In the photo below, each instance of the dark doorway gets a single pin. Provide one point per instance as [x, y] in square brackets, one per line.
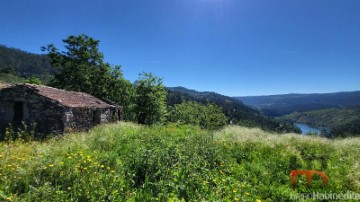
[18, 112]
[97, 117]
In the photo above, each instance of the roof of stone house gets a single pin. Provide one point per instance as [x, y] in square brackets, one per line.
[69, 98]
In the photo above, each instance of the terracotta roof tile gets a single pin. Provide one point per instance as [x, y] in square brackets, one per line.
[69, 98]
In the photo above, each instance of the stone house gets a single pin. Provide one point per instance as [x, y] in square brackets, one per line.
[54, 110]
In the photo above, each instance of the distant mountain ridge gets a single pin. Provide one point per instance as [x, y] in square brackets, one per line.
[278, 105]
[233, 108]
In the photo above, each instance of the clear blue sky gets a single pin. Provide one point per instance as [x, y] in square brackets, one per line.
[233, 47]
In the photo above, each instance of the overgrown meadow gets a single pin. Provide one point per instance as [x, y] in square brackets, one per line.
[128, 162]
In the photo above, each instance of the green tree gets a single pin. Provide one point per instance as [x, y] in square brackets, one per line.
[150, 99]
[207, 116]
[8, 70]
[33, 80]
[82, 68]
[122, 92]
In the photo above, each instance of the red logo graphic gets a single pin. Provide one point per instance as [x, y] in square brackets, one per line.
[309, 174]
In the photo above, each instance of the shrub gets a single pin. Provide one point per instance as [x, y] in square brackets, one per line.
[33, 80]
[207, 116]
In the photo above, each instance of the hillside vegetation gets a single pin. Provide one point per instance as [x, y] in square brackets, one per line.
[325, 117]
[25, 64]
[10, 78]
[341, 121]
[278, 105]
[233, 108]
[128, 162]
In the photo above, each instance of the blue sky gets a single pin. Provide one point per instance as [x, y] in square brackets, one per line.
[233, 47]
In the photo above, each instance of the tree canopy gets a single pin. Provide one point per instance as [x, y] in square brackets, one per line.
[207, 116]
[82, 68]
[150, 99]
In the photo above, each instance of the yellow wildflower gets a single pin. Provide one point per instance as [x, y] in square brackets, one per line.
[258, 200]
[51, 165]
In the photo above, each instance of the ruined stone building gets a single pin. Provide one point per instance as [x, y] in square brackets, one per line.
[54, 110]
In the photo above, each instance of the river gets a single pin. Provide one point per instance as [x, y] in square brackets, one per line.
[306, 128]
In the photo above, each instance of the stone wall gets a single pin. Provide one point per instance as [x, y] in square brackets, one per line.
[82, 119]
[85, 118]
[19, 103]
[45, 113]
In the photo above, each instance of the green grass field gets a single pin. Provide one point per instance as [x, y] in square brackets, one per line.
[128, 162]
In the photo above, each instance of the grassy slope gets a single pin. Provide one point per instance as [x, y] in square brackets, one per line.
[125, 161]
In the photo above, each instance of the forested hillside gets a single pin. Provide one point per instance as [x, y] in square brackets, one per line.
[278, 105]
[234, 109]
[343, 122]
[24, 64]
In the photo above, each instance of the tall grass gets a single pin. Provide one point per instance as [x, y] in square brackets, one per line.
[128, 162]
